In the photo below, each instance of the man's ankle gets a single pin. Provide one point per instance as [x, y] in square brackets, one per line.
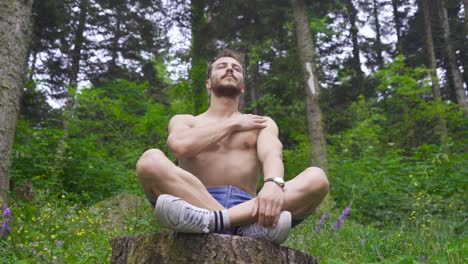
[220, 221]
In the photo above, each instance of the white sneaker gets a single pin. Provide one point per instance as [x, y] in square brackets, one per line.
[276, 235]
[176, 214]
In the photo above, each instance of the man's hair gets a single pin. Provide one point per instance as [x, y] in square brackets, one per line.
[225, 53]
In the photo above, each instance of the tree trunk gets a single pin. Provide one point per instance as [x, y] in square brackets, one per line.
[73, 74]
[378, 42]
[198, 56]
[397, 19]
[15, 41]
[115, 41]
[312, 89]
[172, 247]
[432, 64]
[465, 50]
[33, 64]
[465, 6]
[454, 73]
[358, 75]
[76, 53]
[253, 84]
[429, 46]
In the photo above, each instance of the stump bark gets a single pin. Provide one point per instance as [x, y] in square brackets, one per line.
[172, 247]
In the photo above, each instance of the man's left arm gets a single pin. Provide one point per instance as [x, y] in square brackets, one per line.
[270, 199]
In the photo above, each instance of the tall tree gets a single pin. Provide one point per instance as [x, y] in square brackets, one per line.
[378, 38]
[465, 43]
[397, 18]
[356, 61]
[74, 70]
[465, 7]
[95, 40]
[432, 64]
[253, 81]
[454, 70]
[429, 47]
[311, 85]
[15, 38]
[198, 54]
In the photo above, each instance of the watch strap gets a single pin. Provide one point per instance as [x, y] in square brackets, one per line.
[274, 179]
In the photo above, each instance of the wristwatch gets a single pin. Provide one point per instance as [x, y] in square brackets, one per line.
[276, 180]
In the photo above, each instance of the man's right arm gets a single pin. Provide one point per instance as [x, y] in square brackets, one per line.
[186, 140]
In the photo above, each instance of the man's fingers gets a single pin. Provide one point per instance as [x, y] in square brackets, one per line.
[278, 212]
[255, 208]
[269, 218]
[261, 214]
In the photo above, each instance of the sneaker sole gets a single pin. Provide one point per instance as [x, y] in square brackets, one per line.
[161, 203]
[281, 235]
[164, 202]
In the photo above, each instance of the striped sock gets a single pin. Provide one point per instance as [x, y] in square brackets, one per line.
[220, 221]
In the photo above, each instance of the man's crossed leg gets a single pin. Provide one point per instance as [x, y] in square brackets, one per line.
[184, 203]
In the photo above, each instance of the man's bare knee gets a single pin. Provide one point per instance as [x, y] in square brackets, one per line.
[148, 164]
[317, 181]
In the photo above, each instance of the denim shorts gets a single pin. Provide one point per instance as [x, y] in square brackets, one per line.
[227, 196]
[230, 196]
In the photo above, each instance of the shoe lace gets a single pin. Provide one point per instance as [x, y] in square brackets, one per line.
[199, 219]
[253, 230]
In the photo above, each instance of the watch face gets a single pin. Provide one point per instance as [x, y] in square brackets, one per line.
[279, 180]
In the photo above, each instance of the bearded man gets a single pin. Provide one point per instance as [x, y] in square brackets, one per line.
[222, 154]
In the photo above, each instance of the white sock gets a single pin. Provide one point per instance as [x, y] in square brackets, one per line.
[220, 221]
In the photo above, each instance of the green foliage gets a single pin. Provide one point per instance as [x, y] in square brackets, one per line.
[113, 126]
[390, 163]
[108, 131]
[388, 154]
[34, 156]
[404, 93]
[402, 242]
[55, 230]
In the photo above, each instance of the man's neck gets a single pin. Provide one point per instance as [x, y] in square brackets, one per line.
[223, 106]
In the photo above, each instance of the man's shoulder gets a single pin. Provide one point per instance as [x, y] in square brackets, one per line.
[183, 116]
[270, 125]
[181, 119]
[270, 121]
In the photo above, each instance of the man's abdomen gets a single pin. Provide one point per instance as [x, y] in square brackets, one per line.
[239, 168]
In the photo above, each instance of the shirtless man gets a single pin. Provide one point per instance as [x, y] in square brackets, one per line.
[221, 153]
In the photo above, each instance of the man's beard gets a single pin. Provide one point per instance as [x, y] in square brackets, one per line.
[226, 89]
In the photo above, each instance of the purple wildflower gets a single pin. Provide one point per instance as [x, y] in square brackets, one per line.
[340, 220]
[58, 243]
[324, 217]
[5, 229]
[6, 212]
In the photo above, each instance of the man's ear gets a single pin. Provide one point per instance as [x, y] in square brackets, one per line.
[208, 86]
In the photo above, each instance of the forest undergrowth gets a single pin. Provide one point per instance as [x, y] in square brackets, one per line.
[57, 228]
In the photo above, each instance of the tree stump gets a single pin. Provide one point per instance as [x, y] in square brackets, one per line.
[173, 247]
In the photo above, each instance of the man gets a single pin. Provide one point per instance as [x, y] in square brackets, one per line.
[220, 154]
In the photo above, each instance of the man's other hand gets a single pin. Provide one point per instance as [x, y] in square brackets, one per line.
[269, 204]
[243, 122]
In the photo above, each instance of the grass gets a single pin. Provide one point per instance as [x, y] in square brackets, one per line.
[405, 242]
[54, 230]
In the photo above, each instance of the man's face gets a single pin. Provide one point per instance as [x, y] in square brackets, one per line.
[226, 78]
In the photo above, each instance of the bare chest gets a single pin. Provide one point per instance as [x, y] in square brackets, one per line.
[246, 140]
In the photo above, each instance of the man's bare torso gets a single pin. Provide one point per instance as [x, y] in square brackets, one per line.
[231, 161]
